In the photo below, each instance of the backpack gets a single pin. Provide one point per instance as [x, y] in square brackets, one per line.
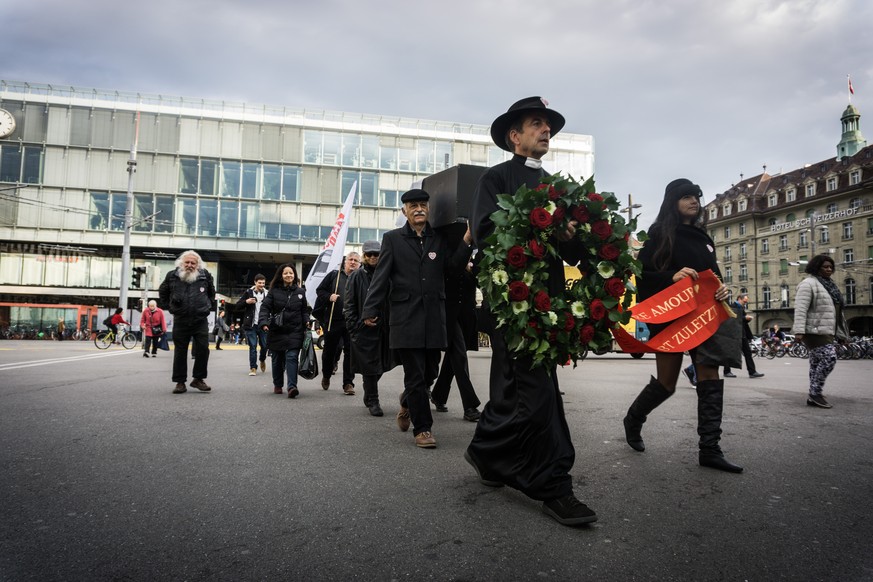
[108, 321]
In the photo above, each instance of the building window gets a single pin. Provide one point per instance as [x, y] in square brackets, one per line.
[810, 190]
[771, 222]
[728, 274]
[765, 268]
[713, 213]
[391, 198]
[765, 296]
[744, 273]
[742, 228]
[367, 194]
[803, 239]
[743, 250]
[21, 164]
[825, 236]
[726, 210]
[854, 177]
[831, 208]
[831, 184]
[850, 291]
[783, 294]
[791, 195]
[848, 256]
[790, 217]
[783, 266]
[802, 260]
[772, 200]
[847, 231]
[727, 232]
[727, 253]
[765, 246]
[783, 242]
[742, 205]
[810, 213]
[855, 203]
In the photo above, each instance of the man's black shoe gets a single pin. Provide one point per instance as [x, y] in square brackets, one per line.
[569, 511]
[471, 414]
[439, 407]
[730, 375]
[756, 375]
[486, 482]
[375, 409]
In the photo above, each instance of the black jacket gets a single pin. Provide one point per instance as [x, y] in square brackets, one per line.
[692, 247]
[411, 274]
[371, 355]
[188, 301]
[291, 301]
[323, 292]
[249, 308]
[741, 316]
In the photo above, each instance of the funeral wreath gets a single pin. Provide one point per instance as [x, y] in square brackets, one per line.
[513, 271]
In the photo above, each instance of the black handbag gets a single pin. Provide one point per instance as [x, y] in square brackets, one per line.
[278, 320]
[157, 330]
[307, 367]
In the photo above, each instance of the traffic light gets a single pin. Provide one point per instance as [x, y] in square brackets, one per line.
[138, 272]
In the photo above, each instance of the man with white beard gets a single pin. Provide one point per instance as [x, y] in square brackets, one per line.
[188, 293]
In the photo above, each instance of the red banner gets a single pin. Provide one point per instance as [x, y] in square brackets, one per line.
[690, 306]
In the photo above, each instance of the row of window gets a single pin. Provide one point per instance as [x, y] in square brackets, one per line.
[21, 164]
[211, 217]
[328, 148]
[803, 240]
[790, 195]
[847, 226]
[768, 301]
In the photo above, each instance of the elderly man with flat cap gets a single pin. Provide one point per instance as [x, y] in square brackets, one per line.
[522, 439]
[411, 276]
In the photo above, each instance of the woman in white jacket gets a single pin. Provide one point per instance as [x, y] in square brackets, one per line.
[818, 319]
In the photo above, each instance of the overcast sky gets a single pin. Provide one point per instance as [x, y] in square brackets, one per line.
[668, 88]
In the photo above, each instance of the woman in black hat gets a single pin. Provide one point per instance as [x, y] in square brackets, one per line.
[678, 247]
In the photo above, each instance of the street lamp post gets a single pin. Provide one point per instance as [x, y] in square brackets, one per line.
[630, 208]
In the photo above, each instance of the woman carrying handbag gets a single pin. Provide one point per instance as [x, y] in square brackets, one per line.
[284, 316]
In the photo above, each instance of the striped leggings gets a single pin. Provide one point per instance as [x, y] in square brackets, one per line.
[821, 363]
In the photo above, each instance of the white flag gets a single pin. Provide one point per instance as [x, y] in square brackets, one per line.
[331, 254]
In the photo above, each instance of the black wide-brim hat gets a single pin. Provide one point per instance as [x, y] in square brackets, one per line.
[527, 105]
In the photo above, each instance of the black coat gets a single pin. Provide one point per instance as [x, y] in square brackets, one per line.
[323, 292]
[692, 247]
[188, 301]
[411, 275]
[741, 315]
[248, 308]
[461, 306]
[292, 301]
[371, 355]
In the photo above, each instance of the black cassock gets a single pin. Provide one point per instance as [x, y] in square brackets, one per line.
[522, 438]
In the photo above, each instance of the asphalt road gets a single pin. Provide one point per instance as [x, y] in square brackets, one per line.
[106, 475]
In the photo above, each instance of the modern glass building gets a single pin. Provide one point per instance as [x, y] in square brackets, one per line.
[247, 186]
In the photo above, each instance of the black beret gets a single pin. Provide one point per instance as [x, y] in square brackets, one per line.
[414, 196]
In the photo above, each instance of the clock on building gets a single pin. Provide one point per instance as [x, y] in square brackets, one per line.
[7, 123]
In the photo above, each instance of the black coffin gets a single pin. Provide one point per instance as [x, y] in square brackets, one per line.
[451, 193]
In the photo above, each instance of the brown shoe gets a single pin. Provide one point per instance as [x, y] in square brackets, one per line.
[325, 383]
[263, 365]
[348, 390]
[180, 387]
[403, 419]
[200, 385]
[425, 440]
[277, 389]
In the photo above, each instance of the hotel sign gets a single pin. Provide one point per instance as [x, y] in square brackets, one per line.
[805, 222]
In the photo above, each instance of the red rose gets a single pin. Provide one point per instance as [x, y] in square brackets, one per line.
[553, 194]
[580, 214]
[518, 291]
[597, 310]
[595, 197]
[586, 333]
[558, 215]
[540, 218]
[515, 257]
[541, 301]
[537, 249]
[569, 322]
[602, 229]
[609, 252]
[615, 287]
[533, 325]
[553, 336]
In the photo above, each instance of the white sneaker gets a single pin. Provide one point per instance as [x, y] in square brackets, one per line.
[253, 372]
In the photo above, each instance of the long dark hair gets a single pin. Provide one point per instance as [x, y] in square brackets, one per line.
[663, 230]
[277, 278]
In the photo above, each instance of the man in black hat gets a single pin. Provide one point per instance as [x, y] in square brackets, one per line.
[522, 439]
[411, 275]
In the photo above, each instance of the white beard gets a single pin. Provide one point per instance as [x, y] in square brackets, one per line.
[187, 277]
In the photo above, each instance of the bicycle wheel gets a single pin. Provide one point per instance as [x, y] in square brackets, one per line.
[128, 340]
[103, 340]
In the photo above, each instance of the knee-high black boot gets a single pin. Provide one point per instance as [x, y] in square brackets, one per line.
[652, 396]
[710, 398]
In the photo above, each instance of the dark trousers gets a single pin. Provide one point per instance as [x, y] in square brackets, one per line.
[255, 338]
[522, 438]
[150, 341]
[420, 366]
[335, 342]
[455, 365]
[197, 333]
[285, 362]
[747, 355]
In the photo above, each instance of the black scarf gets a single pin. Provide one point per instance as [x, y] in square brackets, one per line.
[832, 290]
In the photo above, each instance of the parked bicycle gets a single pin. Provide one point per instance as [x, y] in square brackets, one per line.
[106, 338]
